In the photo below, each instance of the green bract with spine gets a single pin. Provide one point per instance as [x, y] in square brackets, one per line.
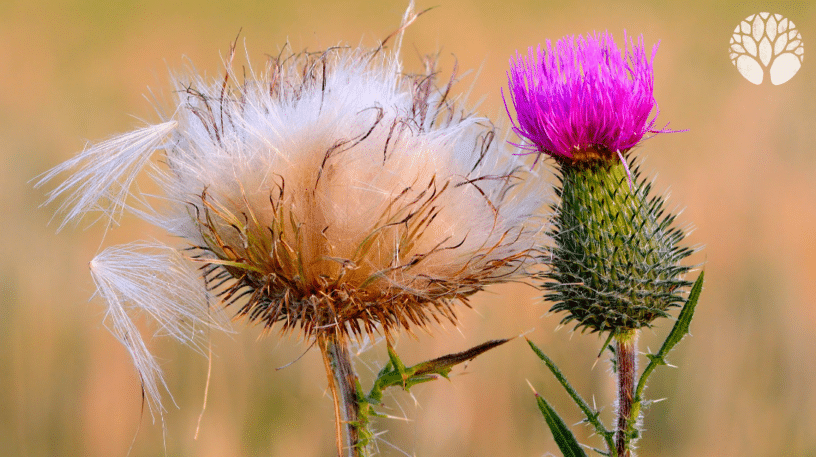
[616, 257]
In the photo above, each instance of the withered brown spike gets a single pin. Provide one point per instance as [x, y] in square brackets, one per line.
[276, 316]
[243, 294]
[226, 78]
[451, 81]
[410, 20]
[345, 309]
[388, 138]
[380, 116]
[227, 293]
[205, 122]
[486, 139]
[212, 272]
[211, 119]
[459, 357]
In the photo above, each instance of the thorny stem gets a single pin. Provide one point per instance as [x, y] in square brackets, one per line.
[626, 365]
[343, 386]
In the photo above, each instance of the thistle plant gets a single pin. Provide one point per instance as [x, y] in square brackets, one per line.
[328, 194]
[616, 262]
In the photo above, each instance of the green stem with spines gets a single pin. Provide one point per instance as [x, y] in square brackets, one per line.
[354, 408]
[352, 432]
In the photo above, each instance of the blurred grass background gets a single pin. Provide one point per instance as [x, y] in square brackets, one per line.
[745, 172]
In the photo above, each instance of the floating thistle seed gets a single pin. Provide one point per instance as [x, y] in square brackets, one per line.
[616, 257]
[328, 194]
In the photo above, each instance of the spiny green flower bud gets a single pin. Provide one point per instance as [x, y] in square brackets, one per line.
[615, 263]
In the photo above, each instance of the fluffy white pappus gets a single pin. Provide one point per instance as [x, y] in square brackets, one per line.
[329, 192]
[332, 171]
[155, 280]
[103, 173]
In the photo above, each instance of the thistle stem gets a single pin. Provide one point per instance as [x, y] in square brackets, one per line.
[626, 364]
[343, 386]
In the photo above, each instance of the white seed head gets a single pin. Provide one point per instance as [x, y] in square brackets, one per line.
[328, 192]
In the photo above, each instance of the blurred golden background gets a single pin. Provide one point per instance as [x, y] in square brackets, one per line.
[74, 71]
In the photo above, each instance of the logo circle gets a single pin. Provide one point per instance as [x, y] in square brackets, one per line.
[766, 43]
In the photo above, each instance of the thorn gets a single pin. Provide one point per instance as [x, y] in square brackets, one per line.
[595, 362]
[524, 334]
[628, 173]
[648, 403]
[605, 345]
[395, 417]
[416, 402]
[531, 387]
[460, 332]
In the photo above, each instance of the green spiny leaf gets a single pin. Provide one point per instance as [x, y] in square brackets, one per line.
[397, 363]
[443, 365]
[395, 373]
[680, 329]
[591, 415]
[563, 436]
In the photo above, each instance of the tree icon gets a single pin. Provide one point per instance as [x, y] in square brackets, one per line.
[769, 42]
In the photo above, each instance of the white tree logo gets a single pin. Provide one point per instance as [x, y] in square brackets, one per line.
[767, 41]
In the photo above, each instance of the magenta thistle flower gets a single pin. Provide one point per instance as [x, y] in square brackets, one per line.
[583, 99]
